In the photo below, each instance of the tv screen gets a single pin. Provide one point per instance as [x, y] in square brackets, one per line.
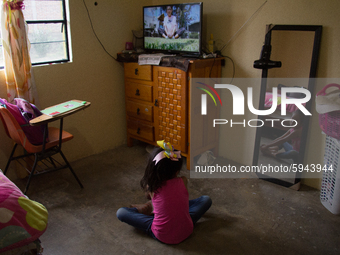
[173, 28]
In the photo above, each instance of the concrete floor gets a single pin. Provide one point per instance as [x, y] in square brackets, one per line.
[248, 216]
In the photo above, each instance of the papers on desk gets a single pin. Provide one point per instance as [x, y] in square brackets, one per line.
[151, 59]
[63, 107]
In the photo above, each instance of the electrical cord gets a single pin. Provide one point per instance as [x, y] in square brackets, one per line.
[94, 32]
[232, 61]
[218, 53]
[243, 25]
[212, 67]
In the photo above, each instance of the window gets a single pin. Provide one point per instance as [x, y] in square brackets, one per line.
[47, 31]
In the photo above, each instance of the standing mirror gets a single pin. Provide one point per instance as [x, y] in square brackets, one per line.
[288, 59]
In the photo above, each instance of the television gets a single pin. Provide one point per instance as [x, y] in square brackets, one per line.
[173, 28]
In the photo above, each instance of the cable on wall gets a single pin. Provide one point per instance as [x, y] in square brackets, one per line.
[243, 25]
[219, 52]
[232, 61]
[94, 32]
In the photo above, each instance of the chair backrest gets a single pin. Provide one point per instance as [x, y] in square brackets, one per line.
[12, 127]
[4, 124]
[23, 112]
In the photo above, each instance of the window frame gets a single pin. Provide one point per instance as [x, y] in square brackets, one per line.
[64, 25]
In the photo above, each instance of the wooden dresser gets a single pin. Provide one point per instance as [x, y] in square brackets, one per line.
[158, 101]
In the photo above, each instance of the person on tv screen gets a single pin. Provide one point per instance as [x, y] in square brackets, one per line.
[170, 26]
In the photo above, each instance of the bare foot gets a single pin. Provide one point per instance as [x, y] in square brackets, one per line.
[146, 208]
[269, 151]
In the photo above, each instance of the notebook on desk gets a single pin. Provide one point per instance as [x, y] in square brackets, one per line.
[63, 107]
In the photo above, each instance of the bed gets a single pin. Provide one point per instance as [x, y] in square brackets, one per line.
[22, 220]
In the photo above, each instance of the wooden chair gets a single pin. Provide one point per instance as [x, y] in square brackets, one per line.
[43, 153]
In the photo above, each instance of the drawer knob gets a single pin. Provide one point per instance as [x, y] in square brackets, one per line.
[136, 71]
[138, 130]
[156, 102]
[137, 92]
[138, 111]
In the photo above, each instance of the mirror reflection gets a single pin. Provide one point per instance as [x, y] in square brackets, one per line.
[276, 144]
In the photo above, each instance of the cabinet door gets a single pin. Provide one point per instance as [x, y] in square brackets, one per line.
[170, 94]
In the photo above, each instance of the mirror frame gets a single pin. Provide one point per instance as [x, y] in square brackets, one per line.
[317, 29]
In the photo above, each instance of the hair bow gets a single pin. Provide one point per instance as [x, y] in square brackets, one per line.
[167, 153]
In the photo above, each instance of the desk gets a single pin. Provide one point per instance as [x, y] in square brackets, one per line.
[53, 147]
[44, 119]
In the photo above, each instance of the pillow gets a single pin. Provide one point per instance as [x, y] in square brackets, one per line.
[22, 220]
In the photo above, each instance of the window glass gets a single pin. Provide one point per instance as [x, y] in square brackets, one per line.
[47, 31]
[43, 10]
[47, 42]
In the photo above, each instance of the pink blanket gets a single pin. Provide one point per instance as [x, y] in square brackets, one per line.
[21, 220]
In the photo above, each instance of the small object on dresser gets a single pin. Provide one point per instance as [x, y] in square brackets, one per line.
[128, 46]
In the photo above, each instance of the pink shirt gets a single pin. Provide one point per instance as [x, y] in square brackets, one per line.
[172, 223]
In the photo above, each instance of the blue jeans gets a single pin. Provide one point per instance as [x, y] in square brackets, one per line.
[289, 153]
[131, 216]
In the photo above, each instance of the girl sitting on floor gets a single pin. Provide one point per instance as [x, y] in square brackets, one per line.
[169, 217]
[290, 141]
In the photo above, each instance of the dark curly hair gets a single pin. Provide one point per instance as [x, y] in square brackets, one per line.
[155, 175]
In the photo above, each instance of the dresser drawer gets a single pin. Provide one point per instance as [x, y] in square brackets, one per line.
[138, 91]
[139, 129]
[135, 71]
[139, 110]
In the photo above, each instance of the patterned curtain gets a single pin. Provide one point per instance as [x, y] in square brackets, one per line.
[15, 43]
